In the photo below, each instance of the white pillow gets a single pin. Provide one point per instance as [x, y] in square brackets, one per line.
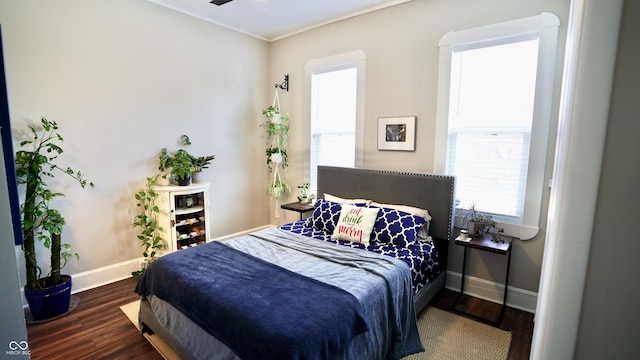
[340, 200]
[423, 213]
[355, 224]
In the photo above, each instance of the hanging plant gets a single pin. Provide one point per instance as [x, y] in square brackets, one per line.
[276, 155]
[278, 187]
[277, 134]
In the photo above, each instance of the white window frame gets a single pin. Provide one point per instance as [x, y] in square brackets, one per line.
[346, 60]
[545, 27]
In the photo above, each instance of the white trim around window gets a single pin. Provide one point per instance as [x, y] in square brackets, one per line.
[357, 59]
[545, 27]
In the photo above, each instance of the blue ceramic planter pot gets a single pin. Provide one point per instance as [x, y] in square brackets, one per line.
[49, 302]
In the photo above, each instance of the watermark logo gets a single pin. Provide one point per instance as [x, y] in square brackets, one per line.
[18, 348]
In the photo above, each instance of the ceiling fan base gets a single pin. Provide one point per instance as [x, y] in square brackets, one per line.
[219, 2]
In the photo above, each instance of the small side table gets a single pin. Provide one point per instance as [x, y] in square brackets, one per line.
[485, 243]
[299, 207]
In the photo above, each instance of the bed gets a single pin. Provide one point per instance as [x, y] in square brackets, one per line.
[290, 280]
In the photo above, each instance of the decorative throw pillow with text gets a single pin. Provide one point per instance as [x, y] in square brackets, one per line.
[355, 224]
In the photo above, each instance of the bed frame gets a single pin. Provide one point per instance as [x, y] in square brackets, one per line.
[427, 191]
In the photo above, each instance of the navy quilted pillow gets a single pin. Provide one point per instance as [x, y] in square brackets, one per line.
[396, 227]
[325, 215]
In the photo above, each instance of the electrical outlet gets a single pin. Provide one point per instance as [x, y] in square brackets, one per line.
[142, 265]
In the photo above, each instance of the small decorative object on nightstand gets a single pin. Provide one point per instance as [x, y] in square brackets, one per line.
[305, 196]
[484, 242]
[299, 207]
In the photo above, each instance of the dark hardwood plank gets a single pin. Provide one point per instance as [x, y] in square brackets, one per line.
[97, 329]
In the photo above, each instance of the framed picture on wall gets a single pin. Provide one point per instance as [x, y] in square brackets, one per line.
[397, 133]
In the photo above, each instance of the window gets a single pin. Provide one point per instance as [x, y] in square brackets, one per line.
[494, 104]
[335, 112]
[333, 118]
[490, 115]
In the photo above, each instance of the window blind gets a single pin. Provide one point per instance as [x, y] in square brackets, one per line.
[490, 118]
[333, 120]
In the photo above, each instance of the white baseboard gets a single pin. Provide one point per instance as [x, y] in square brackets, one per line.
[517, 298]
[105, 275]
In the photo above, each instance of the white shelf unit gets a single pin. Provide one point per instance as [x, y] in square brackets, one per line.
[184, 215]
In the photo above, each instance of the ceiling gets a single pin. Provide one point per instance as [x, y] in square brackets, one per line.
[275, 19]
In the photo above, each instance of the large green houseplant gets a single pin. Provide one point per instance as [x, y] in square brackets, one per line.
[36, 163]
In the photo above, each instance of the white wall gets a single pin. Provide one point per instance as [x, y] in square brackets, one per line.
[401, 45]
[125, 79]
[609, 316]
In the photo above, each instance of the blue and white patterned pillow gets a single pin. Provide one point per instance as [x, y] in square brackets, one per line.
[397, 227]
[325, 216]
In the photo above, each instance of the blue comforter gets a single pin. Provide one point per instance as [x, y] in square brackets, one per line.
[381, 284]
[259, 310]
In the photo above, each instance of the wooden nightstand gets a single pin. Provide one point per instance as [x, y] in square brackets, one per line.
[298, 207]
[485, 243]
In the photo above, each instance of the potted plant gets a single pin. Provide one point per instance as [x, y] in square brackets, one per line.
[49, 295]
[273, 114]
[147, 220]
[182, 167]
[482, 223]
[277, 132]
[304, 193]
[180, 164]
[200, 163]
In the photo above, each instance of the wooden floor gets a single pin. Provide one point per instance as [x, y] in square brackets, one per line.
[97, 329]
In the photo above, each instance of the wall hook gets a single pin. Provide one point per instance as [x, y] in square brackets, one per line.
[285, 84]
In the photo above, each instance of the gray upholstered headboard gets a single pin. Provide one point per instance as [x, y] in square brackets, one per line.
[427, 191]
